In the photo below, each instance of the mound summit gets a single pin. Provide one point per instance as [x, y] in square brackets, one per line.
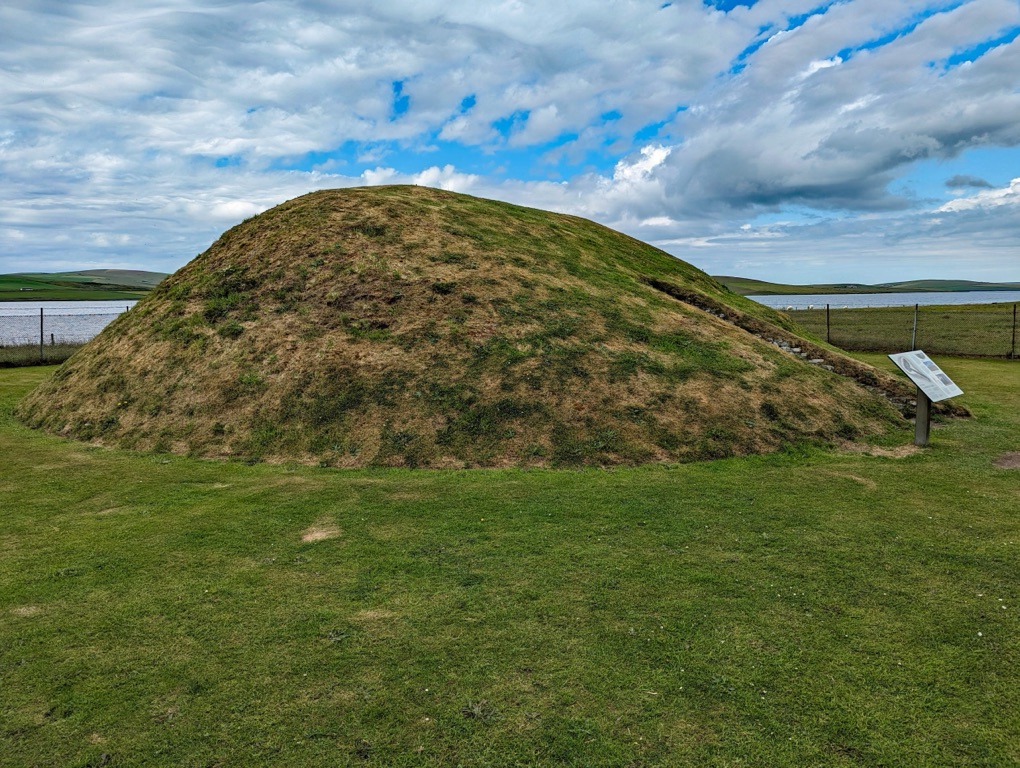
[411, 326]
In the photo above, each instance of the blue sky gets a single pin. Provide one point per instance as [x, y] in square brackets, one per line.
[796, 141]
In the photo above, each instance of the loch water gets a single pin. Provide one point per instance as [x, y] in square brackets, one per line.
[816, 300]
[62, 321]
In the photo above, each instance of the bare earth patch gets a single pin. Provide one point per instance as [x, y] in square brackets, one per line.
[866, 482]
[320, 531]
[26, 610]
[1009, 460]
[898, 452]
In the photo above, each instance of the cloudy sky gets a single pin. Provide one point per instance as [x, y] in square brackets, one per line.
[789, 140]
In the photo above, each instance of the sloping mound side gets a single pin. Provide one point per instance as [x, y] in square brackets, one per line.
[410, 326]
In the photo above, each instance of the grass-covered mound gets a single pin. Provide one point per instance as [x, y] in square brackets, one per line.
[405, 325]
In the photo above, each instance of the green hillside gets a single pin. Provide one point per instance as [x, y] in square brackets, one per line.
[746, 286]
[89, 284]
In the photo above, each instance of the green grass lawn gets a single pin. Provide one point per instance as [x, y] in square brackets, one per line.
[69, 294]
[960, 329]
[29, 354]
[807, 608]
[29, 288]
[90, 285]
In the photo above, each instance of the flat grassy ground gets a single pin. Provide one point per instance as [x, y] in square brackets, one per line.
[961, 329]
[88, 285]
[808, 608]
[28, 354]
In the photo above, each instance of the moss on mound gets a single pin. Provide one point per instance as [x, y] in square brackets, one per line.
[411, 326]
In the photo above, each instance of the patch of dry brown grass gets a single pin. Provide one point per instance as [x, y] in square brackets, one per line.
[1009, 460]
[895, 452]
[320, 531]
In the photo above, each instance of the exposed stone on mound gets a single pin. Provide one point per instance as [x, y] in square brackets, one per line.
[410, 326]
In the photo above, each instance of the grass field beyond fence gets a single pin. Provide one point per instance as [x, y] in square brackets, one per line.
[974, 330]
[32, 354]
[807, 608]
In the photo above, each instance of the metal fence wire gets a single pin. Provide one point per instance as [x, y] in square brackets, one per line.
[43, 328]
[973, 330]
[976, 330]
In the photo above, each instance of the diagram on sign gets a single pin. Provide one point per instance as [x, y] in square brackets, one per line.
[923, 371]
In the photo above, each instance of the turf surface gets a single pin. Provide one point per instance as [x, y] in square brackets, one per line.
[807, 608]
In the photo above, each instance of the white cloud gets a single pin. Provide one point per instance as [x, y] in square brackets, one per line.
[115, 114]
[446, 178]
[991, 198]
[234, 210]
[657, 221]
[641, 168]
[817, 66]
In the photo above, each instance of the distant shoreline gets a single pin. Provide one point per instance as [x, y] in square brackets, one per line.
[83, 285]
[749, 287]
[113, 285]
[71, 295]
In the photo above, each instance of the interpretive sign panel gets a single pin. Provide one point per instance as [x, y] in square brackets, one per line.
[928, 377]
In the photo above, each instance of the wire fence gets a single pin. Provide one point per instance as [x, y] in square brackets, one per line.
[47, 330]
[973, 330]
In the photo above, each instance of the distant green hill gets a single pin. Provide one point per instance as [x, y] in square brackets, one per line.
[86, 284]
[746, 286]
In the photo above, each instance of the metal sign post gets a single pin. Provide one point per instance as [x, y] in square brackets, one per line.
[922, 422]
[932, 386]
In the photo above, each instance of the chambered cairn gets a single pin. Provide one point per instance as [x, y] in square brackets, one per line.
[416, 327]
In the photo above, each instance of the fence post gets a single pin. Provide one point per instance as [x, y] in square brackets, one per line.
[913, 333]
[828, 338]
[41, 357]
